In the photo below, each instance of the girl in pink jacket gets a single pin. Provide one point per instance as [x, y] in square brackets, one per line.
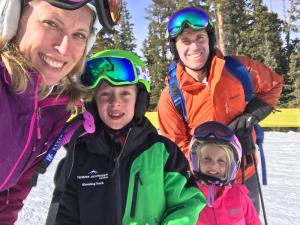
[215, 154]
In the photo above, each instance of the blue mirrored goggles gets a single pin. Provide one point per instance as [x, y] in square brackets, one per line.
[194, 17]
[117, 71]
[213, 130]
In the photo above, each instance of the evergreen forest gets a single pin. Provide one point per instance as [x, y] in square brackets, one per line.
[243, 27]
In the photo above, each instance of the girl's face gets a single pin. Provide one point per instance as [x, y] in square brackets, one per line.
[116, 105]
[213, 161]
[53, 39]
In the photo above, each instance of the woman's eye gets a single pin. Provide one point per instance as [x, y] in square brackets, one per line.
[81, 36]
[50, 23]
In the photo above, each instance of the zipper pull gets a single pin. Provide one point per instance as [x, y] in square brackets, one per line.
[38, 116]
[7, 197]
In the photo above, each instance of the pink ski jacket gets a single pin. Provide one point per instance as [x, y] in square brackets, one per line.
[231, 207]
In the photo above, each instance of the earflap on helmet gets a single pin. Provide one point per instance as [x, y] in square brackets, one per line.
[194, 146]
[95, 29]
[173, 50]
[10, 11]
[142, 103]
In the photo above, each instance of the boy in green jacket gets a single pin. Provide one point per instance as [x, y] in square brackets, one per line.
[125, 172]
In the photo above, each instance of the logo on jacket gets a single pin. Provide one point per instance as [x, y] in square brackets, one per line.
[93, 172]
[234, 211]
[92, 179]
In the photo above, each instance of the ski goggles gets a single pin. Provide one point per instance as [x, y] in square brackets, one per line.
[110, 8]
[193, 17]
[117, 71]
[214, 131]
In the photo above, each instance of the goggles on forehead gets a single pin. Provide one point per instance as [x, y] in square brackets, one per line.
[117, 71]
[108, 10]
[193, 17]
[214, 131]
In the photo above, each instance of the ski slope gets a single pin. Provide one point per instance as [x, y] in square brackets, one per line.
[281, 195]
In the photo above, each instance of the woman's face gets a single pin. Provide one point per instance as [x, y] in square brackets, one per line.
[53, 39]
[213, 161]
[116, 105]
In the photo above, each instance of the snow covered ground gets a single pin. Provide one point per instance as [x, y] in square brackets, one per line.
[281, 195]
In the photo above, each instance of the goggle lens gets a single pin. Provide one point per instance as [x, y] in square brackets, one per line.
[214, 130]
[196, 18]
[116, 70]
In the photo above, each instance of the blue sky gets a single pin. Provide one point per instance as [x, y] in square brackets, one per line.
[137, 11]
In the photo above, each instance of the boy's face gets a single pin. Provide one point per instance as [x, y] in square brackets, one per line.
[193, 48]
[213, 161]
[116, 104]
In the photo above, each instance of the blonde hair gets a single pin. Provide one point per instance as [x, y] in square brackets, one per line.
[18, 68]
[200, 146]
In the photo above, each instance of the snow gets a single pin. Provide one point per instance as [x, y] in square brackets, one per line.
[281, 195]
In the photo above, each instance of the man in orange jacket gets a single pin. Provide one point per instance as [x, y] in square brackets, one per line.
[211, 92]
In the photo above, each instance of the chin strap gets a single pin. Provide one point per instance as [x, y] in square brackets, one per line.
[211, 195]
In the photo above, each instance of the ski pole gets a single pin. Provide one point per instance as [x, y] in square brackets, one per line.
[260, 192]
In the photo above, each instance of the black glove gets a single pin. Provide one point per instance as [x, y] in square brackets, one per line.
[242, 126]
[256, 110]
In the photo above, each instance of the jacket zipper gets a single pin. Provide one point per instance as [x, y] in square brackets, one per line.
[118, 185]
[137, 180]
[51, 101]
[7, 197]
[30, 132]
[38, 128]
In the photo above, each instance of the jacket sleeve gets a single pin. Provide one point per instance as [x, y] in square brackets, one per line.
[267, 85]
[184, 199]
[11, 200]
[250, 214]
[171, 123]
[68, 213]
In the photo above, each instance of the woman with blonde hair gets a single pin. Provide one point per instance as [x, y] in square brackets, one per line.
[43, 47]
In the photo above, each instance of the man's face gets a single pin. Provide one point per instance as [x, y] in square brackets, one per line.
[193, 48]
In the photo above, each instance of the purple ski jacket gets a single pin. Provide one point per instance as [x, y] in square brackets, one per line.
[28, 128]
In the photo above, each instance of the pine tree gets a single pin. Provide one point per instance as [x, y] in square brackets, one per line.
[294, 72]
[231, 24]
[155, 48]
[126, 39]
[122, 36]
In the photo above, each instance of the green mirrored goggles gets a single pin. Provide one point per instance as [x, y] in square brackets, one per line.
[117, 71]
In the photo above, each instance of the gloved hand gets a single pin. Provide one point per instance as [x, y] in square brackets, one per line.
[242, 126]
[255, 111]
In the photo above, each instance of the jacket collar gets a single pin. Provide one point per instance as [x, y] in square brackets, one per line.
[101, 141]
[189, 84]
